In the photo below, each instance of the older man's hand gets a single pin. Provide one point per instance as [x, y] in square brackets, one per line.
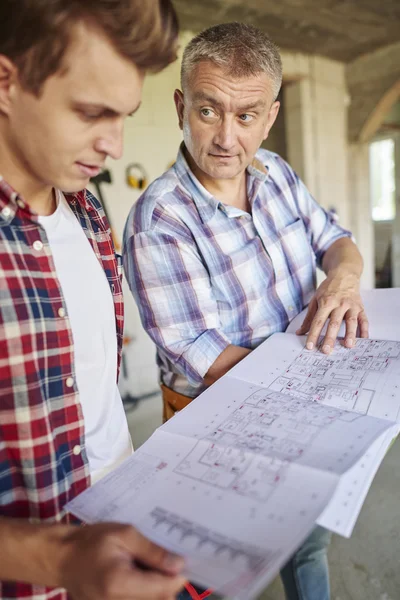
[337, 299]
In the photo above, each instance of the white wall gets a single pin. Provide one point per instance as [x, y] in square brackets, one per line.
[152, 138]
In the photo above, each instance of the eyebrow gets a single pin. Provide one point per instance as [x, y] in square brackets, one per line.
[102, 108]
[253, 105]
[201, 97]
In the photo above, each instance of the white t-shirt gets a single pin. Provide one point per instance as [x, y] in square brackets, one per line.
[90, 309]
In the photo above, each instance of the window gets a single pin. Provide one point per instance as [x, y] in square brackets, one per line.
[381, 156]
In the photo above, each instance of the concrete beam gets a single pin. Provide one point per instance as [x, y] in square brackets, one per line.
[373, 82]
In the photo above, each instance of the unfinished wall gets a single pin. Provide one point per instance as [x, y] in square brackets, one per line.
[316, 129]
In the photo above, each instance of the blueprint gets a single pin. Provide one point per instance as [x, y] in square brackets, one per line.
[364, 379]
[233, 540]
[239, 478]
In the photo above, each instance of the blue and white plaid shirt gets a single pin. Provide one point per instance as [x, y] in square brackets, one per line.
[206, 275]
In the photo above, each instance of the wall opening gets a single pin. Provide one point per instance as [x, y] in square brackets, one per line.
[383, 206]
[276, 140]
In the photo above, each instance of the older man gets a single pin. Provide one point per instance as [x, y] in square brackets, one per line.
[221, 251]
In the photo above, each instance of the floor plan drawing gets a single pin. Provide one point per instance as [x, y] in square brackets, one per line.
[349, 378]
[235, 562]
[250, 449]
[232, 469]
[204, 540]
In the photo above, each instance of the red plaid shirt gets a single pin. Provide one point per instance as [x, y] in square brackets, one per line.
[43, 462]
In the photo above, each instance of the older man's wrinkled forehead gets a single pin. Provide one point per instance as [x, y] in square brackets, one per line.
[209, 82]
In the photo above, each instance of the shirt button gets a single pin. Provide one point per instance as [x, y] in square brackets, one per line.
[6, 212]
[61, 312]
[21, 203]
[76, 450]
[38, 245]
[70, 382]
[291, 308]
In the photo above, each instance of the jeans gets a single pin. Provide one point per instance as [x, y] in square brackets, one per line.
[306, 575]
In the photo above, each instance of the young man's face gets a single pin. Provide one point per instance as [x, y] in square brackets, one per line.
[224, 120]
[63, 137]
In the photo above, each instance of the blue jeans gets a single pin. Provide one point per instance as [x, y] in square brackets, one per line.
[306, 575]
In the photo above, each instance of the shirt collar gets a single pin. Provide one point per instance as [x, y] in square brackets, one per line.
[9, 201]
[206, 203]
[258, 170]
[81, 198]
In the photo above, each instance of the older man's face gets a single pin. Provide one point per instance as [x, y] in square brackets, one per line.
[224, 120]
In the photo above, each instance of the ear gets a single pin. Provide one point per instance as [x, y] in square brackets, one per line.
[273, 113]
[8, 77]
[180, 106]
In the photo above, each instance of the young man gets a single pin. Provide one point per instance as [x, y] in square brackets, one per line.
[71, 71]
[221, 251]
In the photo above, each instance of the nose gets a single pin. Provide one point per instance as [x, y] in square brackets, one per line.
[225, 136]
[112, 141]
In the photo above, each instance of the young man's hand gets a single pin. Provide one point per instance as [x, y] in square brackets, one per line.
[111, 562]
[106, 561]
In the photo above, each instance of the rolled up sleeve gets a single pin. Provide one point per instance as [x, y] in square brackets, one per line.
[176, 304]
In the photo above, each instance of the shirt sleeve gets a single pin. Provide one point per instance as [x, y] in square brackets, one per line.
[172, 289]
[320, 225]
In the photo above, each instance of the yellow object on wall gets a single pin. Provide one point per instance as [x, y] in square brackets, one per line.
[136, 176]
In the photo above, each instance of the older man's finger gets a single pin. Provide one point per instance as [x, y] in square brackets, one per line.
[363, 324]
[335, 321]
[305, 326]
[351, 320]
[318, 322]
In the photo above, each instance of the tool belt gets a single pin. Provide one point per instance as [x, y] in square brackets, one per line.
[172, 402]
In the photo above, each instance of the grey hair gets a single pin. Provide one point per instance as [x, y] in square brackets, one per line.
[241, 50]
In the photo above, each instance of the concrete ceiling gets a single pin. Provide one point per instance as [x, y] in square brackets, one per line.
[337, 29]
